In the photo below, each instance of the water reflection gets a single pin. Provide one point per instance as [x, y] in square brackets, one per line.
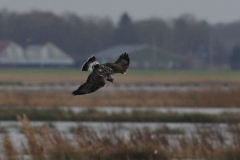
[117, 109]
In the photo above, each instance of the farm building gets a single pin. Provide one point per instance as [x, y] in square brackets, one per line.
[142, 57]
[11, 53]
[47, 54]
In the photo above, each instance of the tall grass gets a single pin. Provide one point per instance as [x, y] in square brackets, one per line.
[10, 151]
[35, 148]
[208, 143]
[143, 98]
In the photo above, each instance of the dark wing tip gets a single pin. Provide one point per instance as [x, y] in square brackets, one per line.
[123, 57]
[84, 67]
[93, 58]
[78, 92]
[126, 57]
[74, 93]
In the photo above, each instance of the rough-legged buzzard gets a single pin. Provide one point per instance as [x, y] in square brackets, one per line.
[101, 73]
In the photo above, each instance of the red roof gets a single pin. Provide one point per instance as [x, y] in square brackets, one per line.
[3, 45]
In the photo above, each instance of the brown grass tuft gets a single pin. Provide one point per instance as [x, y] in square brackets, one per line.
[10, 151]
[35, 149]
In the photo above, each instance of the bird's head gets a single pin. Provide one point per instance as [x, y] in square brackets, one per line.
[112, 79]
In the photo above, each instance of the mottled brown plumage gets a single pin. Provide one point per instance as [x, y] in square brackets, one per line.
[101, 72]
[121, 65]
[94, 82]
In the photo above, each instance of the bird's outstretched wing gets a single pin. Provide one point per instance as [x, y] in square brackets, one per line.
[94, 82]
[123, 60]
[121, 65]
[91, 62]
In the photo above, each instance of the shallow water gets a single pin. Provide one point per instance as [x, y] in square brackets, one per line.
[117, 109]
[65, 127]
[102, 128]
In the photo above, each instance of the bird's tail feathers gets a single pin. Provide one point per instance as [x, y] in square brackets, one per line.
[89, 65]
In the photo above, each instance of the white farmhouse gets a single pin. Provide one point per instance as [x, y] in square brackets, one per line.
[47, 54]
[11, 53]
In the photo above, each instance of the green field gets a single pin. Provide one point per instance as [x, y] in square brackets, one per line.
[40, 71]
[130, 72]
[185, 73]
[158, 77]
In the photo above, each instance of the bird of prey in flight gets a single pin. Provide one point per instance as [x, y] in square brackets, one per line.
[101, 73]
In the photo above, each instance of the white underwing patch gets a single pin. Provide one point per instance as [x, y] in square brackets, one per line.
[91, 65]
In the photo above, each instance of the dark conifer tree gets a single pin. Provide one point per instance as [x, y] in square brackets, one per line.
[235, 58]
[125, 33]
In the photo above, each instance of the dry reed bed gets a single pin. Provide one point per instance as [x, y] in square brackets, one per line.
[193, 98]
[143, 144]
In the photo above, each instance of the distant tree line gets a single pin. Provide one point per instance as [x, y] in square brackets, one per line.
[70, 32]
[79, 36]
[235, 58]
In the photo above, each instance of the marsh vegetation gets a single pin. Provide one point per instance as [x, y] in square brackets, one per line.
[209, 142]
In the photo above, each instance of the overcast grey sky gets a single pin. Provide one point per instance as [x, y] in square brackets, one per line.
[214, 11]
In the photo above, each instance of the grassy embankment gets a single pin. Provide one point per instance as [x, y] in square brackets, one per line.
[55, 114]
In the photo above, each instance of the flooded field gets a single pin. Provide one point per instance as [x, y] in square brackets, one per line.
[117, 109]
[170, 140]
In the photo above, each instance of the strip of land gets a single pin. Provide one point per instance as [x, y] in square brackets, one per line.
[143, 98]
[76, 76]
[91, 115]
